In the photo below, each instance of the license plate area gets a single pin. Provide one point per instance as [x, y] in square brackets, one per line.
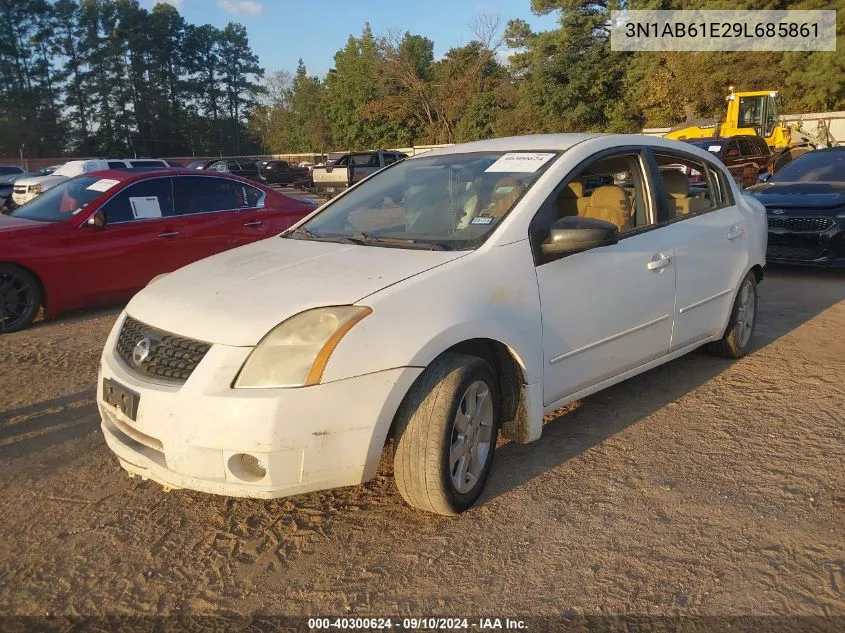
[123, 399]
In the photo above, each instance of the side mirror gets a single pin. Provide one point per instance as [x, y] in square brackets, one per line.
[574, 234]
[97, 219]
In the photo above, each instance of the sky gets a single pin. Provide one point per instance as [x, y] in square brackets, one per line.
[282, 31]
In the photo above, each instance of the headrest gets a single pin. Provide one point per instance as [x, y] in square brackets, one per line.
[574, 189]
[676, 183]
[610, 196]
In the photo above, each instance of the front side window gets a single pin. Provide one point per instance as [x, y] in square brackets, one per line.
[145, 200]
[450, 201]
[64, 200]
[363, 160]
[610, 189]
[691, 186]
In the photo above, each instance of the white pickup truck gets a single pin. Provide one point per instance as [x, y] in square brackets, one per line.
[28, 188]
[350, 169]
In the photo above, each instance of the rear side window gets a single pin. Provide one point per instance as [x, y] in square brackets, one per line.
[732, 150]
[145, 200]
[249, 167]
[389, 159]
[198, 194]
[232, 165]
[117, 164]
[362, 160]
[747, 148]
[690, 185]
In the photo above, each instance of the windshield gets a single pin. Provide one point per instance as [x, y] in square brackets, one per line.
[64, 200]
[452, 201]
[814, 167]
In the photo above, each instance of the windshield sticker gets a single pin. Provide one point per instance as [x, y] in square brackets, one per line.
[482, 219]
[525, 162]
[103, 185]
[714, 148]
[145, 207]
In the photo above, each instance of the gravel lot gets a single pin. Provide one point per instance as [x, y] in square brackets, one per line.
[701, 487]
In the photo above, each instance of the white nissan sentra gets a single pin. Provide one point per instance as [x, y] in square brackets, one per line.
[467, 290]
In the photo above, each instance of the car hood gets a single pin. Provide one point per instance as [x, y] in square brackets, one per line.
[236, 297]
[800, 195]
[45, 181]
[9, 223]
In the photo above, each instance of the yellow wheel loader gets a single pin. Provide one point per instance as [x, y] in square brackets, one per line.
[756, 113]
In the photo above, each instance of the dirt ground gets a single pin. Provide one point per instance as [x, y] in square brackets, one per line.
[702, 487]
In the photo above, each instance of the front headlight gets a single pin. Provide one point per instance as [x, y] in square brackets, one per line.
[295, 352]
[35, 188]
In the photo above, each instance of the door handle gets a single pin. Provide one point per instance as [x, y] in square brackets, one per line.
[659, 261]
[169, 234]
[255, 223]
[735, 232]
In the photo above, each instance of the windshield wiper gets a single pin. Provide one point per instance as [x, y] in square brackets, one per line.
[368, 238]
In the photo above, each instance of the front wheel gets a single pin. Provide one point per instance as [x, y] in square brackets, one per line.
[446, 435]
[737, 339]
[20, 298]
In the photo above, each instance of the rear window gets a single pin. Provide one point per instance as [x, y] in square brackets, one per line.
[147, 163]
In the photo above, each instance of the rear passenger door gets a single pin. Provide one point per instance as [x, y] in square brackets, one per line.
[218, 213]
[709, 236]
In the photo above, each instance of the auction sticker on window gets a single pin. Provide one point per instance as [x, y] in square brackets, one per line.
[103, 184]
[525, 162]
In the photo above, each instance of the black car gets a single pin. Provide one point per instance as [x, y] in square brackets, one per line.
[245, 168]
[201, 163]
[281, 172]
[805, 205]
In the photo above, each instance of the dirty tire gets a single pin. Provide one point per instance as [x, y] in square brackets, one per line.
[20, 298]
[426, 422]
[735, 344]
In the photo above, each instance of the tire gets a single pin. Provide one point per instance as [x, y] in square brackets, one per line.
[20, 298]
[429, 429]
[738, 335]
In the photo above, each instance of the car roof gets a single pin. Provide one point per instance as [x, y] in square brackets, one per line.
[139, 173]
[529, 142]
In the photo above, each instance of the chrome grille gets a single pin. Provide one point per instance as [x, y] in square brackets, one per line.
[171, 358]
[801, 225]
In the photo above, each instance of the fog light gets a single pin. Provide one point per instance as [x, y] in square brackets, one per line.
[247, 467]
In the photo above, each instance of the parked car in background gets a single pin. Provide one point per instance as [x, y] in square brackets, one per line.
[805, 204]
[243, 167]
[746, 157]
[28, 188]
[8, 175]
[100, 237]
[281, 172]
[349, 169]
[201, 163]
[485, 298]
[46, 171]
[173, 163]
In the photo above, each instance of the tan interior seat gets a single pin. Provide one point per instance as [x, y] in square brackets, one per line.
[571, 201]
[504, 195]
[677, 189]
[609, 203]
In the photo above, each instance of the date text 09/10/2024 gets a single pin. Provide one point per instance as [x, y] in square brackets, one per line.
[429, 623]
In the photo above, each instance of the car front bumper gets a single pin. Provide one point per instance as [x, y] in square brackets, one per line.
[808, 248]
[191, 436]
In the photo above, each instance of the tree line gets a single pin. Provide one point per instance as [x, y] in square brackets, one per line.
[391, 91]
[110, 78]
[104, 77]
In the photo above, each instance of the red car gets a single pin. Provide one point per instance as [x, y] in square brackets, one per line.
[99, 238]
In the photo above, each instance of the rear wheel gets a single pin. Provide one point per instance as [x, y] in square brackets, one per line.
[446, 435]
[737, 339]
[20, 298]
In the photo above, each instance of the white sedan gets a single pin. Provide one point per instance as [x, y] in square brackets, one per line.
[470, 289]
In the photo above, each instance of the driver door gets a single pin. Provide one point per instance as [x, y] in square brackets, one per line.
[609, 309]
